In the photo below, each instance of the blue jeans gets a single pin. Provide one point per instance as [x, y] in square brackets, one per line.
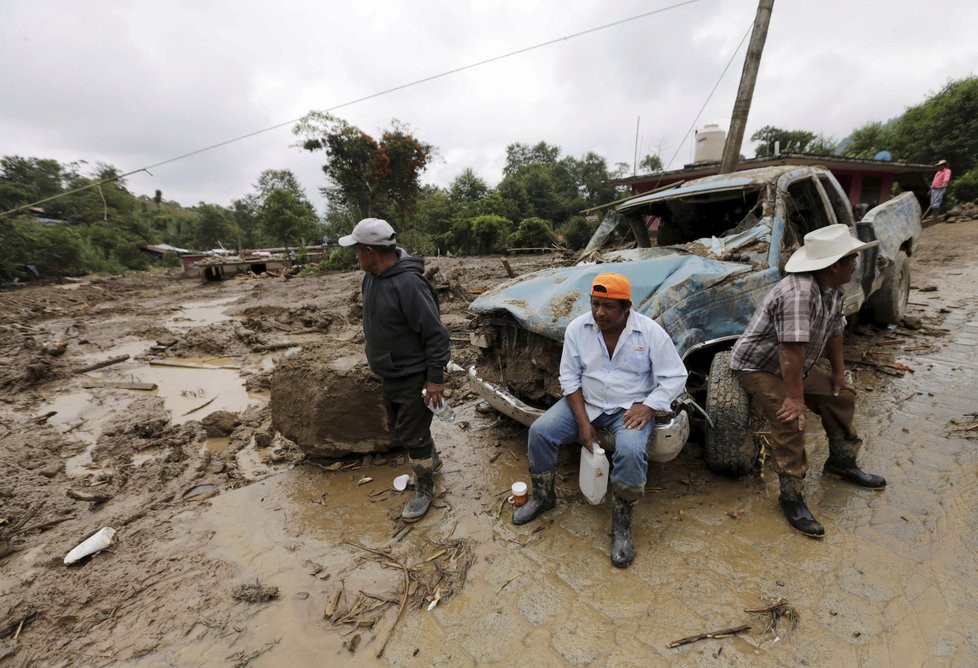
[936, 198]
[558, 427]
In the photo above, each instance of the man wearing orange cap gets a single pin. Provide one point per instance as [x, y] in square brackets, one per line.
[618, 369]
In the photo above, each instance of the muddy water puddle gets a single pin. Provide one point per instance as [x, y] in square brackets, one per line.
[199, 314]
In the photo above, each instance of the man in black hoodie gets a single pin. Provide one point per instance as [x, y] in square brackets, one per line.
[407, 346]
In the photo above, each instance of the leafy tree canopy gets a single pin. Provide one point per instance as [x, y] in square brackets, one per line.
[650, 164]
[376, 178]
[791, 141]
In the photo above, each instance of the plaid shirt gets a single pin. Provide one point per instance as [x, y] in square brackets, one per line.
[797, 310]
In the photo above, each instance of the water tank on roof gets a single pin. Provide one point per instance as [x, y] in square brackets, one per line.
[883, 155]
[709, 143]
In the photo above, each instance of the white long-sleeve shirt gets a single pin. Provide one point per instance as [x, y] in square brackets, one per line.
[645, 367]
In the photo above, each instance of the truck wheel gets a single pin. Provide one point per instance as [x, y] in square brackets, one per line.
[730, 445]
[889, 303]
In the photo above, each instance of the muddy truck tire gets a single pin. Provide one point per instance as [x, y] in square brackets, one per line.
[889, 304]
[730, 448]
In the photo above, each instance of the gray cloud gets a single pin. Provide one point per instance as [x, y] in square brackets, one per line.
[135, 83]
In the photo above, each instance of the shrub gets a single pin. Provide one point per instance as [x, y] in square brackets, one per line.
[577, 232]
[532, 233]
[965, 187]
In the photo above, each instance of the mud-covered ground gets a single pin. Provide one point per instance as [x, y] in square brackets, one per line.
[230, 550]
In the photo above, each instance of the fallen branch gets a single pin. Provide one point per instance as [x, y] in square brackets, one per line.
[203, 405]
[88, 496]
[723, 633]
[509, 270]
[269, 347]
[192, 365]
[503, 585]
[146, 387]
[103, 363]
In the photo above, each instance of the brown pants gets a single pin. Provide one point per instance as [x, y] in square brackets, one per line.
[768, 391]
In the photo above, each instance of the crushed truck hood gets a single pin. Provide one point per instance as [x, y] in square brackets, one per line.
[546, 301]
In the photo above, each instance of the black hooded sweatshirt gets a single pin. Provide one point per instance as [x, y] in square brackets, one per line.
[401, 322]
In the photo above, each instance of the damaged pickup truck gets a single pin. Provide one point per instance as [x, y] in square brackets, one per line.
[701, 256]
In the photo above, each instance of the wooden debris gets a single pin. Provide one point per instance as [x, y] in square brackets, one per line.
[503, 585]
[509, 270]
[331, 608]
[203, 405]
[723, 633]
[269, 347]
[103, 363]
[192, 365]
[145, 387]
[87, 496]
[41, 419]
[459, 291]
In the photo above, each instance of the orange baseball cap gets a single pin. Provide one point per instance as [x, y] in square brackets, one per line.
[611, 286]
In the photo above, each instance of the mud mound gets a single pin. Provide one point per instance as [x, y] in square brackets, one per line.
[27, 362]
[280, 319]
[227, 338]
[329, 406]
[143, 425]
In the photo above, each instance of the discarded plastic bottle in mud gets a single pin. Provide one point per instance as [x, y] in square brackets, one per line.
[594, 473]
[444, 412]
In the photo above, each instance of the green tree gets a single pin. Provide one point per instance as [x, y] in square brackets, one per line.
[965, 187]
[287, 219]
[577, 231]
[943, 126]
[870, 139]
[467, 188]
[791, 141]
[519, 155]
[374, 178]
[214, 227]
[482, 235]
[650, 164]
[532, 233]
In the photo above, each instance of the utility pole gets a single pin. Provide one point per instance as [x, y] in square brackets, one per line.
[638, 122]
[738, 120]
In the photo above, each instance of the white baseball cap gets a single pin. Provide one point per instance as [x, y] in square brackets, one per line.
[372, 232]
[823, 247]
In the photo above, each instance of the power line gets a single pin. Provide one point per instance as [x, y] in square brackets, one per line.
[388, 91]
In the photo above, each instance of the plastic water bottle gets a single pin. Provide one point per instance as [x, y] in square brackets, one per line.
[594, 474]
[444, 412]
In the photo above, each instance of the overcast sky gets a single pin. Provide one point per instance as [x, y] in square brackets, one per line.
[136, 83]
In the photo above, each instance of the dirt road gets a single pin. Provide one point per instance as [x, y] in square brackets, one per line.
[229, 552]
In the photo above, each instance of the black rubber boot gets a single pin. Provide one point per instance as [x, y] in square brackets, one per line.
[794, 508]
[436, 463]
[842, 463]
[622, 545]
[542, 499]
[424, 490]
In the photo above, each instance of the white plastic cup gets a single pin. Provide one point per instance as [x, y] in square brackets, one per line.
[519, 490]
[401, 482]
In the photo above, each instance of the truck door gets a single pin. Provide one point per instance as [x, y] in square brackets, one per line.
[861, 285]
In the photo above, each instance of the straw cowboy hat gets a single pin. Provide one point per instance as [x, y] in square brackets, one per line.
[823, 247]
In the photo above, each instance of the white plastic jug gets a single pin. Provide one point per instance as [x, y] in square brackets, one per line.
[594, 473]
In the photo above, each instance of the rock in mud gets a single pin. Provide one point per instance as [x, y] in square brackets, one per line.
[220, 423]
[329, 406]
[254, 593]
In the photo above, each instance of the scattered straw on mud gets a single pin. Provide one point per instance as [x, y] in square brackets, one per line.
[431, 580]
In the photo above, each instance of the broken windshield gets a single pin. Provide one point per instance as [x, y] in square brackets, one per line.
[719, 221]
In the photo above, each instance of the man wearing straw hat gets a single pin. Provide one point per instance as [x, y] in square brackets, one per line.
[938, 186]
[775, 360]
[617, 369]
